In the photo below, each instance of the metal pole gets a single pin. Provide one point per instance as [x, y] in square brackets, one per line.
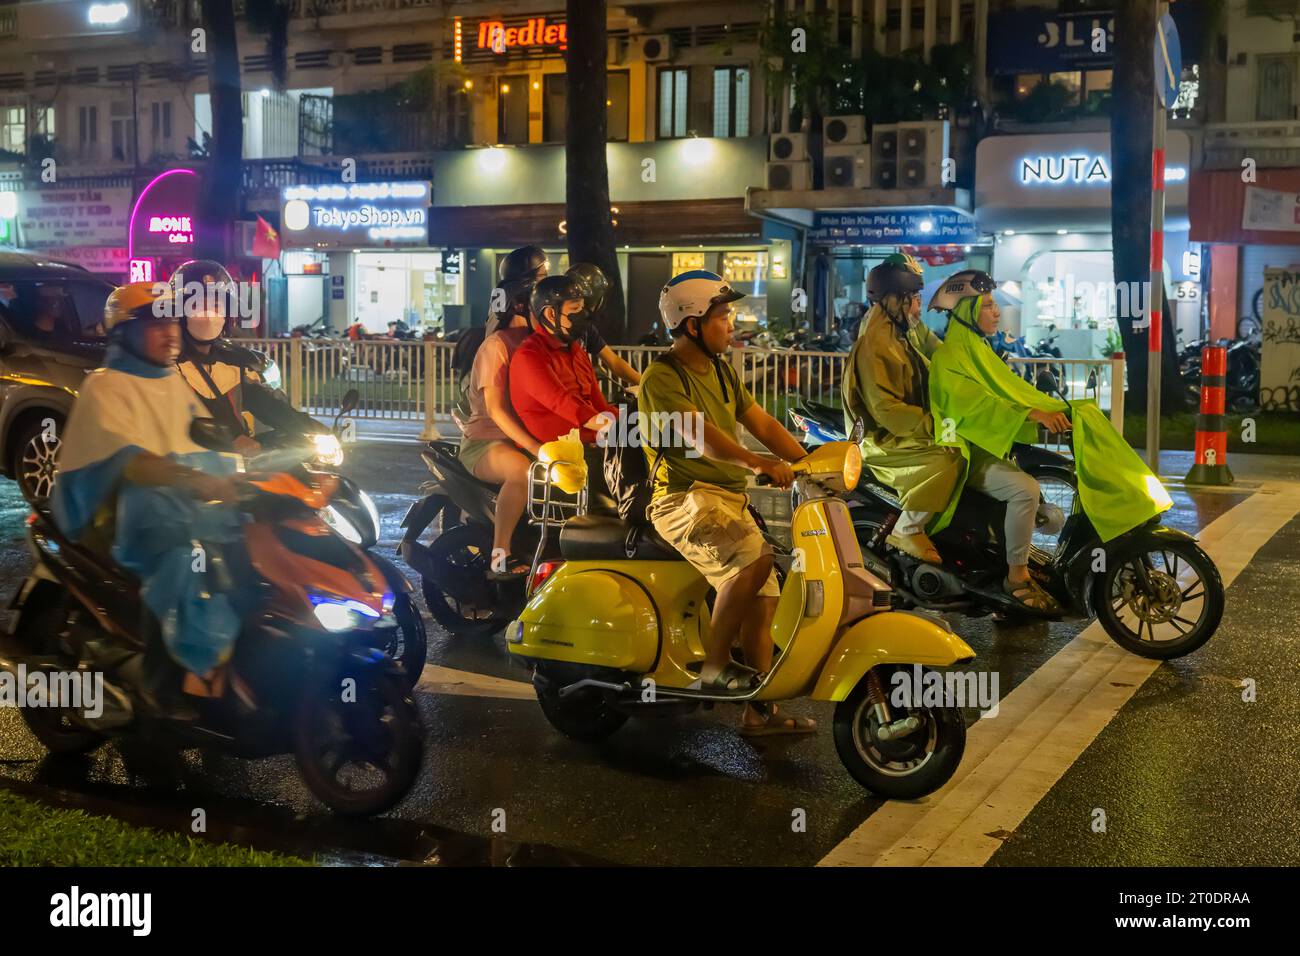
[1155, 301]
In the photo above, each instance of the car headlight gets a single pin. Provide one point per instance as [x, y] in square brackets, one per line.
[327, 449]
[271, 376]
[337, 615]
[334, 518]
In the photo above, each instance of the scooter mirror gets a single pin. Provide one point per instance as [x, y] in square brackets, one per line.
[859, 428]
[350, 400]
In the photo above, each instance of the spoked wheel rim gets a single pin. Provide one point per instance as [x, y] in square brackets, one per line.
[464, 553]
[1159, 597]
[37, 467]
[1058, 492]
[895, 758]
[359, 750]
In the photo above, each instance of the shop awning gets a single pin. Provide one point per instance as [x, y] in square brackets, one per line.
[1217, 203]
[668, 223]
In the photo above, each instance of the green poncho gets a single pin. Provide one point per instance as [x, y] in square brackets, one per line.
[977, 400]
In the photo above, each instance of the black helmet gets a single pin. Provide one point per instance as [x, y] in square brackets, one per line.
[593, 281]
[520, 270]
[899, 274]
[961, 285]
[553, 292]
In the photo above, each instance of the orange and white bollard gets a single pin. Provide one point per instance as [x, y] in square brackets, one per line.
[1211, 465]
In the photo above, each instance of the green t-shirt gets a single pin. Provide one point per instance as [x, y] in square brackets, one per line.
[662, 400]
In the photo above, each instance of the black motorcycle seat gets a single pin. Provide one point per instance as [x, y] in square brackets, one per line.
[599, 538]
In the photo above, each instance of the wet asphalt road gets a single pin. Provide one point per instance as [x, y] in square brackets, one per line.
[691, 791]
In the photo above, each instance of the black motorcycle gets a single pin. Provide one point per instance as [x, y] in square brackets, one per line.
[79, 613]
[1155, 591]
[351, 513]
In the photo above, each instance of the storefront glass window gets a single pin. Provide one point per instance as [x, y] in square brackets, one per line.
[686, 261]
[747, 272]
[1072, 81]
[411, 287]
[1097, 84]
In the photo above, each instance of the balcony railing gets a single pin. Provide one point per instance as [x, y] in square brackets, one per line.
[1268, 144]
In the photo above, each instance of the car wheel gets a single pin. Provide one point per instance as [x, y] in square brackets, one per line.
[34, 450]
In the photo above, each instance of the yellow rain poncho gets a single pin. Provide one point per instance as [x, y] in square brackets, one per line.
[977, 400]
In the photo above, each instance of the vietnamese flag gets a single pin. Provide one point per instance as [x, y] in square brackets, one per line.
[266, 241]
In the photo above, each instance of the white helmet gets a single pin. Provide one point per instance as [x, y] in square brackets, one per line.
[693, 294]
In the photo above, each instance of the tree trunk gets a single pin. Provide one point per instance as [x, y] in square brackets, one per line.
[1132, 102]
[586, 205]
[219, 192]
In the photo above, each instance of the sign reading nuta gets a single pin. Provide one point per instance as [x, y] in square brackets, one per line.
[1279, 371]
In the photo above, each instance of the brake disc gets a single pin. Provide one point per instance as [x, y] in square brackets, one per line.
[1159, 606]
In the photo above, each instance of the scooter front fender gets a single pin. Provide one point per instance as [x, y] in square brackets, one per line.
[893, 637]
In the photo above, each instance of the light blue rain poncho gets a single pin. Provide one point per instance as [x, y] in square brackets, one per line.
[127, 407]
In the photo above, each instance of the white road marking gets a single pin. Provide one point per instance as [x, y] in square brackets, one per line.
[446, 680]
[1043, 726]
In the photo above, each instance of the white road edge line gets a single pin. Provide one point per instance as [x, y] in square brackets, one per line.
[1043, 726]
[446, 680]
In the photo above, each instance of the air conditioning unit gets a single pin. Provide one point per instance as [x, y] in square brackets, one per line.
[884, 156]
[922, 148]
[847, 167]
[843, 130]
[655, 47]
[785, 147]
[792, 175]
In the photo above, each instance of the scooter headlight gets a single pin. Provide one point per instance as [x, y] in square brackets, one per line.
[327, 449]
[271, 376]
[334, 518]
[336, 614]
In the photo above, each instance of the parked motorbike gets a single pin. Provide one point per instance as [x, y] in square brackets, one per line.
[325, 614]
[1154, 590]
[614, 627]
[1241, 383]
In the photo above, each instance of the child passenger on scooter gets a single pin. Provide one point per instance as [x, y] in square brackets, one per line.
[699, 504]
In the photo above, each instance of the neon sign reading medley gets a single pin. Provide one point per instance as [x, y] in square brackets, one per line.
[1079, 170]
[382, 211]
[496, 36]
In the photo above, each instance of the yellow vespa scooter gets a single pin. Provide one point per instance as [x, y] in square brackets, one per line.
[612, 627]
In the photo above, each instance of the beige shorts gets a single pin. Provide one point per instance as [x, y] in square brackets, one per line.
[714, 531]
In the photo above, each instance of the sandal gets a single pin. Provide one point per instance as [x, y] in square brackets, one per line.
[732, 677]
[918, 546]
[774, 723]
[515, 571]
[1030, 596]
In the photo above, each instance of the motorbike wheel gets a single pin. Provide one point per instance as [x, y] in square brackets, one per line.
[411, 645]
[582, 716]
[52, 726]
[1179, 578]
[910, 766]
[476, 608]
[359, 757]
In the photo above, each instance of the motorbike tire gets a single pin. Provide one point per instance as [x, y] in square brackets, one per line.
[945, 743]
[414, 642]
[465, 550]
[582, 716]
[394, 718]
[1201, 630]
[58, 733]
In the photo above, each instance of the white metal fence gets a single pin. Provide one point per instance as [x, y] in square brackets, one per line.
[415, 381]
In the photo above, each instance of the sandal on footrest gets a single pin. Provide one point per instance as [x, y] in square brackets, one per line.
[1030, 596]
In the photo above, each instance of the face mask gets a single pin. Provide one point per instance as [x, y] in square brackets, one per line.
[205, 328]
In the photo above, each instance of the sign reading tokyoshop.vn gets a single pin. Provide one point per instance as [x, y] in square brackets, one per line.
[374, 214]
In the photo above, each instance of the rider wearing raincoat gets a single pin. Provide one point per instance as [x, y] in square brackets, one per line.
[886, 387]
[131, 482]
[983, 407]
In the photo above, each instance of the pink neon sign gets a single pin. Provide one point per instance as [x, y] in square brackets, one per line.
[169, 221]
